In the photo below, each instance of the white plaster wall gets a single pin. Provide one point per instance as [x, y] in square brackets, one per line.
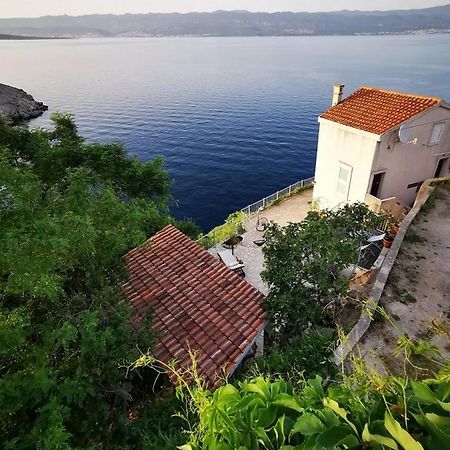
[411, 163]
[260, 344]
[338, 143]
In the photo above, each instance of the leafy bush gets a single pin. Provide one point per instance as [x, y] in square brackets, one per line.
[188, 227]
[297, 360]
[52, 155]
[382, 413]
[157, 424]
[233, 226]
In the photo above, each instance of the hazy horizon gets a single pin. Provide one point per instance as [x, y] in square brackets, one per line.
[31, 9]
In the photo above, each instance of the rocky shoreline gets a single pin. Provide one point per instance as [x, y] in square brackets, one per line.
[18, 106]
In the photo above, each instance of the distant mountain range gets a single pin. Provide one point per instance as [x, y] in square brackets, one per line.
[14, 37]
[233, 23]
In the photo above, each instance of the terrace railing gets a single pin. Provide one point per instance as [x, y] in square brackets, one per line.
[282, 193]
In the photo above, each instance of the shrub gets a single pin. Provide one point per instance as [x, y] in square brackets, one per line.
[188, 227]
[233, 226]
[158, 424]
[297, 360]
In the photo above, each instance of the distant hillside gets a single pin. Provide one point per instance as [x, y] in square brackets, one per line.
[234, 23]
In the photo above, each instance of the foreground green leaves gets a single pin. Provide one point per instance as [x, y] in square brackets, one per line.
[273, 415]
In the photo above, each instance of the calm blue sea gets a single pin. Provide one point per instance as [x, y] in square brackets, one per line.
[234, 118]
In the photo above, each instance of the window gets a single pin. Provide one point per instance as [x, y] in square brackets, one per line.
[376, 184]
[437, 133]
[344, 178]
[440, 169]
[415, 185]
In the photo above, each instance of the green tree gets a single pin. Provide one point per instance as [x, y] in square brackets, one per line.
[69, 211]
[303, 264]
[52, 154]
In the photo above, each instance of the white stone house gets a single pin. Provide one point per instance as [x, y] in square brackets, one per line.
[379, 146]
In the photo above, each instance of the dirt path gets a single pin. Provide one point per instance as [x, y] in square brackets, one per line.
[417, 295]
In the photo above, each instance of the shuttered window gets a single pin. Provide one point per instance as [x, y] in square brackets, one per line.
[437, 133]
[344, 178]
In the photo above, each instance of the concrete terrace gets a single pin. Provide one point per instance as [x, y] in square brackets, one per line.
[294, 209]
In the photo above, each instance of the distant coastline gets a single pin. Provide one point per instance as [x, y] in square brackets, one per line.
[15, 37]
[9, 37]
[234, 23]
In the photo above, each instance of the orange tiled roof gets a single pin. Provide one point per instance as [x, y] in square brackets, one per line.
[197, 302]
[377, 111]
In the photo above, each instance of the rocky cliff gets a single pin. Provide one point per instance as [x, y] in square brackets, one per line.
[17, 106]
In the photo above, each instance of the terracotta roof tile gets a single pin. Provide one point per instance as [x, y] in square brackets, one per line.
[377, 111]
[197, 303]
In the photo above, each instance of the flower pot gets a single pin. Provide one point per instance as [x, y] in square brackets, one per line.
[387, 241]
[395, 229]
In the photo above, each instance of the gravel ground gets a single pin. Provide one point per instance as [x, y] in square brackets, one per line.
[417, 294]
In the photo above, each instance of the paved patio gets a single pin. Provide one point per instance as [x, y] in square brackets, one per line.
[294, 209]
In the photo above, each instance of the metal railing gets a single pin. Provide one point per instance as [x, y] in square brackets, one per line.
[286, 192]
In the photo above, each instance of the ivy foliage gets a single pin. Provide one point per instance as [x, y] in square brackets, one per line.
[387, 413]
[69, 211]
[304, 261]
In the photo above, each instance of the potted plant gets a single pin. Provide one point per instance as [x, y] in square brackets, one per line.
[388, 239]
[395, 227]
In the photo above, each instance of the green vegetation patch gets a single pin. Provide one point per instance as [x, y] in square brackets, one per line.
[414, 237]
[304, 263]
[295, 191]
[300, 359]
[234, 225]
[359, 412]
[69, 211]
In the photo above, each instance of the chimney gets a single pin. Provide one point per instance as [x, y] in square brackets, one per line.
[338, 91]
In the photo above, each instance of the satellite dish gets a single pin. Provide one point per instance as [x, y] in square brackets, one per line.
[405, 135]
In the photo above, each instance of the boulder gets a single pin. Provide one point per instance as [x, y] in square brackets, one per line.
[18, 106]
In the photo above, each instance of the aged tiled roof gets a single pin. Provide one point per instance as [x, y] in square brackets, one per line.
[377, 111]
[197, 302]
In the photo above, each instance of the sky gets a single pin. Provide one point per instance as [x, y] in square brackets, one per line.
[35, 8]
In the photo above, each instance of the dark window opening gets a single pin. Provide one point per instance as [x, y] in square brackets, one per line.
[376, 184]
[415, 185]
[440, 168]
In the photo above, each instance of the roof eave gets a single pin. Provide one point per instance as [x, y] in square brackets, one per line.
[247, 349]
[358, 131]
[416, 116]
